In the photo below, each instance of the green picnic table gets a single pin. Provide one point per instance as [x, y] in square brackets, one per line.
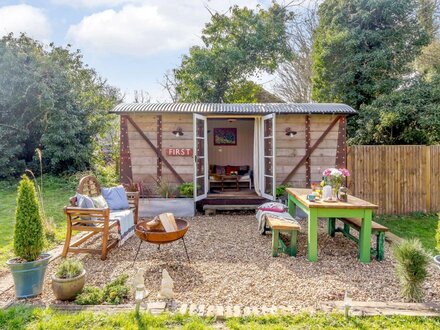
[353, 208]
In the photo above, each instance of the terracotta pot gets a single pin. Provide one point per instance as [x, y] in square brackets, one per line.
[68, 288]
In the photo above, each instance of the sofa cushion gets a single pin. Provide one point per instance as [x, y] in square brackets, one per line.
[116, 198]
[99, 202]
[243, 170]
[220, 170]
[272, 207]
[84, 201]
[230, 169]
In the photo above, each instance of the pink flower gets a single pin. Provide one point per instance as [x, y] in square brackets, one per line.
[327, 172]
[345, 172]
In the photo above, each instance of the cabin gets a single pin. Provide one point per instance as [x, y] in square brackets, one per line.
[233, 153]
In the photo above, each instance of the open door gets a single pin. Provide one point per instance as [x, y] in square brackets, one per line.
[268, 162]
[200, 157]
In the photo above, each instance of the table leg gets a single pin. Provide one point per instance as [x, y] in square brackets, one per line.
[291, 206]
[312, 242]
[331, 226]
[365, 237]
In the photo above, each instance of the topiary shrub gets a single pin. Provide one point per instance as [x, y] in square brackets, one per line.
[29, 230]
[69, 268]
[411, 268]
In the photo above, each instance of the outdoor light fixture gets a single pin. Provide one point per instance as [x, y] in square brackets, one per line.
[289, 132]
[347, 304]
[178, 132]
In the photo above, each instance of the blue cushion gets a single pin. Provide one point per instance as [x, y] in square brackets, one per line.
[84, 201]
[116, 198]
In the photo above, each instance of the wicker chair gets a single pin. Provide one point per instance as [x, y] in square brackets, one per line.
[95, 221]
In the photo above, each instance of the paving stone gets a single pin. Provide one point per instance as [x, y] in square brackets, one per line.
[266, 310]
[210, 311]
[201, 310]
[219, 312]
[192, 309]
[157, 305]
[228, 311]
[183, 309]
[255, 311]
[246, 311]
[237, 311]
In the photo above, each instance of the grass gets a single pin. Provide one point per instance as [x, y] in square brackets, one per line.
[415, 225]
[38, 318]
[56, 192]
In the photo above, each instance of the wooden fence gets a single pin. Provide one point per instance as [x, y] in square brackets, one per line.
[400, 179]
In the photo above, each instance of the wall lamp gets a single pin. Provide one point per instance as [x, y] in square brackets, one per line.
[178, 132]
[289, 132]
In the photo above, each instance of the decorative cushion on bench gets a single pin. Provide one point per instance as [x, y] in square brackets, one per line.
[272, 207]
[116, 198]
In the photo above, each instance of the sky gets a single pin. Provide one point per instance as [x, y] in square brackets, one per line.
[132, 43]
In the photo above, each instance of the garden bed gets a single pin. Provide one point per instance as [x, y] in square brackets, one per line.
[231, 264]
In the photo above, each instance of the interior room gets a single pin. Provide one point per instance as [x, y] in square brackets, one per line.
[231, 155]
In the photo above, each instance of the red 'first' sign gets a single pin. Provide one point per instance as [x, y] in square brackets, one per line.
[182, 152]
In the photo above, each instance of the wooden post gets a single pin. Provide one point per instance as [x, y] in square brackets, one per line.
[427, 181]
[308, 174]
[159, 146]
[341, 150]
[125, 171]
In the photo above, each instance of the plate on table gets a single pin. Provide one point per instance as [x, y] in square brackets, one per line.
[330, 200]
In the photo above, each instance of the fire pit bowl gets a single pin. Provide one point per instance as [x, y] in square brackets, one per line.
[161, 237]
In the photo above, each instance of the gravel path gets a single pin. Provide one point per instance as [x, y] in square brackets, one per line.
[231, 264]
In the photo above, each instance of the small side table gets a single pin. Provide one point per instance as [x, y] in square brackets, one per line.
[230, 178]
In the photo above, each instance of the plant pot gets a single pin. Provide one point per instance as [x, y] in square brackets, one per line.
[68, 288]
[180, 207]
[29, 276]
[437, 261]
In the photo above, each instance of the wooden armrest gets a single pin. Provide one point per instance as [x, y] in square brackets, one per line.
[84, 211]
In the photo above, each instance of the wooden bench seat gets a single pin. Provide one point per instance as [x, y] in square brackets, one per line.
[356, 223]
[278, 225]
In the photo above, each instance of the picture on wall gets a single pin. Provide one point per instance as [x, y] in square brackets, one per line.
[225, 136]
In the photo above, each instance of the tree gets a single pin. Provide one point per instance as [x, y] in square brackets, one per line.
[362, 49]
[409, 115]
[50, 99]
[294, 83]
[236, 47]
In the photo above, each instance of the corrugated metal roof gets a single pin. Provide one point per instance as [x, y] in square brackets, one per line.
[236, 108]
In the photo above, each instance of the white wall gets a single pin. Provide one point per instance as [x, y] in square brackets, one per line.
[242, 153]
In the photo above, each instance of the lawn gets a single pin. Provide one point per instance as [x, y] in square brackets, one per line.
[27, 318]
[420, 225]
[56, 193]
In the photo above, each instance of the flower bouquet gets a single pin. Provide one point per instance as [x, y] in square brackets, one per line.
[334, 177]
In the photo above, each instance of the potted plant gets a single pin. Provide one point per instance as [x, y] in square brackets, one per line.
[437, 236]
[29, 265]
[177, 200]
[69, 279]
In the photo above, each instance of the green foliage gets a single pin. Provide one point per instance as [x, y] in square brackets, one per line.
[49, 98]
[90, 295]
[186, 189]
[112, 293]
[19, 317]
[412, 262]
[236, 46]
[363, 48]
[29, 232]
[437, 235]
[69, 268]
[166, 189]
[413, 225]
[281, 190]
[409, 115]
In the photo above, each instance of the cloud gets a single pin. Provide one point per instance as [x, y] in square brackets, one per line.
[142, 30]
[24, 18]
[97, 3]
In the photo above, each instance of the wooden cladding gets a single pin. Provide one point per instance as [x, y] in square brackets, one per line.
[126, 173]
[400, 179]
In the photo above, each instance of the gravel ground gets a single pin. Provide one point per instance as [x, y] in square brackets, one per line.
[231, 264]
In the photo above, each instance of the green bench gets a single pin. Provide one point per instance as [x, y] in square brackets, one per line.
[277, 226]
[376, 229]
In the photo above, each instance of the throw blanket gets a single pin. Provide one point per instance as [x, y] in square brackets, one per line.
[261, 218]
[126, 224]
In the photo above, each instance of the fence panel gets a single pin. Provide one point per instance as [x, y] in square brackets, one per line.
[400, 179]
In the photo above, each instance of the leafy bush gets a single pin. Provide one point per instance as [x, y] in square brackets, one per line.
[90, 295]
[69, 268]
[29, 231]
[166, 189]
[437, 235]
[281, 190]
[113, 293]
[412, 261]
[186, 189]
